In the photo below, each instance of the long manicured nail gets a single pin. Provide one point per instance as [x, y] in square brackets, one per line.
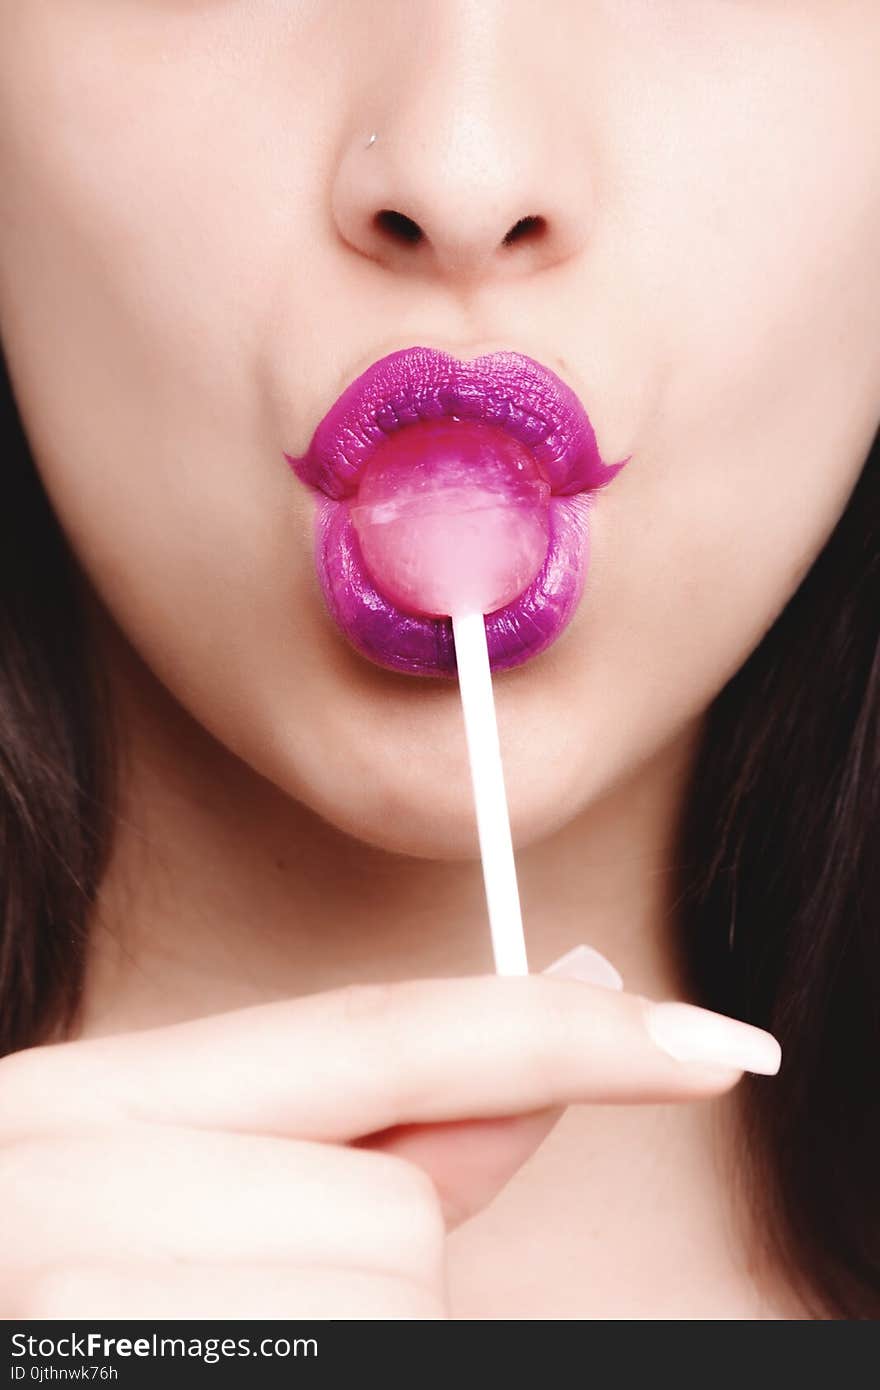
[691, 1034]
[583, 963]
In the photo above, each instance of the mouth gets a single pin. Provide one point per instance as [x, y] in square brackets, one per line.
[505, 392]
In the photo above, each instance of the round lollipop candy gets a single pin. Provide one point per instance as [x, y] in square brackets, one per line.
[452, 516]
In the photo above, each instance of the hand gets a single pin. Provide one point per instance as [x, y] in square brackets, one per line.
[305, 1159]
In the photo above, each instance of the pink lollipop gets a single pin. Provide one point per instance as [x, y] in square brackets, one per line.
[452, 517]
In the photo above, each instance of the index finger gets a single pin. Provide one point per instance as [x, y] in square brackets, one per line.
[338, 1065]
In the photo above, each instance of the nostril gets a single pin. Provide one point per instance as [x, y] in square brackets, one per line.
[401, 227]
[523, 228]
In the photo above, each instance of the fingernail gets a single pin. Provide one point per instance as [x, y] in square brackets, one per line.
[691, 1034]
[583, 963]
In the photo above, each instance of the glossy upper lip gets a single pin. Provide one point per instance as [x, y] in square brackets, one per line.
[419, 383]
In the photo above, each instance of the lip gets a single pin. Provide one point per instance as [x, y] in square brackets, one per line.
[507, 389]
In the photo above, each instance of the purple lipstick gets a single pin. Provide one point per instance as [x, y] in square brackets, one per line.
[500, 442]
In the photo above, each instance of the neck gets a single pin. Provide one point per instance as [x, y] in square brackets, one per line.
[223, 892]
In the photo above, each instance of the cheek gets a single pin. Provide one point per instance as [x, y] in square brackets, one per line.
[749, 217]
[136, 250]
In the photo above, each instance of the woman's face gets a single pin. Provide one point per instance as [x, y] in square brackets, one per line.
[191, 272]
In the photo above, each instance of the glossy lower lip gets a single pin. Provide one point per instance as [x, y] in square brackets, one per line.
[507, 389]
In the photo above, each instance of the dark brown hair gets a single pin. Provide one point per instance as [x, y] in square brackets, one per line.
[779, 887]
[779, 911]
[56, 757]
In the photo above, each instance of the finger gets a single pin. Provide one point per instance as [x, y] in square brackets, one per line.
[338, 1065]
[163, 1192]
[468, 1161]
[162, 1289]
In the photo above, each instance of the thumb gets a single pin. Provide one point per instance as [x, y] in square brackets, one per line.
[470, 1161]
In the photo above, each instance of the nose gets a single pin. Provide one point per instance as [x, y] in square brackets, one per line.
[474, 165]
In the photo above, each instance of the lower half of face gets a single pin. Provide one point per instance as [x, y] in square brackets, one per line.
[178, 307]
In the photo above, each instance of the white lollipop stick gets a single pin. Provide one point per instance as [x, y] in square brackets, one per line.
[490, 800]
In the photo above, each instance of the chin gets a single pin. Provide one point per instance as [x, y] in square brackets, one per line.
[421, 804]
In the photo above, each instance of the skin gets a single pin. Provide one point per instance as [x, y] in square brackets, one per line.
[189, 276]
